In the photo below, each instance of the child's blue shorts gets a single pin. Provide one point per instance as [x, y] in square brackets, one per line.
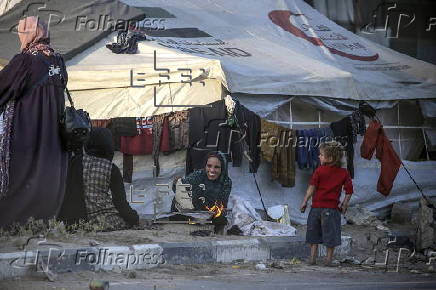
[324, 227]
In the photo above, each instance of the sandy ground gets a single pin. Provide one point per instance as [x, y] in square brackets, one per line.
[361, 236]
[176, 276]
[128, 237]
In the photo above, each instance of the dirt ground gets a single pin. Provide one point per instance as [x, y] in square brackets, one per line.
[155, 234]
[174, 276]
[360, 263]
[363, 237]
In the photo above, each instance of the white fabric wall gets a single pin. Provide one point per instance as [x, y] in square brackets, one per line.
[365, 180]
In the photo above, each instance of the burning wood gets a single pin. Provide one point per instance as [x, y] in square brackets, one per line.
[217, 209]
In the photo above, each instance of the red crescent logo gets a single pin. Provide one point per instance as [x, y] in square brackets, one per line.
[281, 18]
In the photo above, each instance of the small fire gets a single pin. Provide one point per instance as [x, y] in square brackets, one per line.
[218, 209]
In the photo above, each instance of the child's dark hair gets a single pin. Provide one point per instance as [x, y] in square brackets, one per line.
[334, 151]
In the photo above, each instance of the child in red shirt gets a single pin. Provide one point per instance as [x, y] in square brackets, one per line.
[324, 220]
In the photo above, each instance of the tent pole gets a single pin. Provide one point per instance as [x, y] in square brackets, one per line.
[399, 131]
[425, 143]
[319, 118]
[260, 194]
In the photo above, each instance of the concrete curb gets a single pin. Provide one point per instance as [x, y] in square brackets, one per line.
[56, 259]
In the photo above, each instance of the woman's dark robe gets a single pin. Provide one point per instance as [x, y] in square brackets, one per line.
[38, 163]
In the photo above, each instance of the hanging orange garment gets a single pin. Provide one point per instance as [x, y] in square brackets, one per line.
[375, 140]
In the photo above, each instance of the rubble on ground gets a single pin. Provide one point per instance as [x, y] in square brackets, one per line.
[426, 231]
[360, 216]
[245, 217]
[400, 213]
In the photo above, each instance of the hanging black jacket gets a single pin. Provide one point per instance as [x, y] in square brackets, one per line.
[208, 131]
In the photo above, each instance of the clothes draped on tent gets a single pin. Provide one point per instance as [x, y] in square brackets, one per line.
[228, 126]
[179, 130]
[134, 136]
[122, 126]
[127, 42]
[277, 146]
[249, 127]
[375, 139]
[308, 142]
[102, 123]
[209, 131]
[346, 130]
[161, 139]
[142, 142]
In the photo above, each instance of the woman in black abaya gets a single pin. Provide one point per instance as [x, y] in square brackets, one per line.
[33, 164]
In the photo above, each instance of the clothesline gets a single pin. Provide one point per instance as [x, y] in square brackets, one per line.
[328, 123]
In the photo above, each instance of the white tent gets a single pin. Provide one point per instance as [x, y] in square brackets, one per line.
[266, 52]
[118, 85]
[264, 47]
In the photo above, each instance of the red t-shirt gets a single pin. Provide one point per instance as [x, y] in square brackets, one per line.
[328, 182]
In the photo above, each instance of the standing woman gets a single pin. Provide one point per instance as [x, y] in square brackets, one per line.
[33, 163]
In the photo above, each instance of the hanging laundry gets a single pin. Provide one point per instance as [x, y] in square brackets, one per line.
[343, 133]
[179, 130]
[127, 168]
[161, 138]
[308, 142]
[230, 105]
[209, 131]
[277, 146]
[269, 139]
[127, 42]
[122, 126]
[249, 125]
[375, 139]
[152, 137]
[358, 124]
[142, 143]
[100, 123]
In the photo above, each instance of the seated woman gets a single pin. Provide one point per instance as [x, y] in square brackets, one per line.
[95, 190]
[209, 185]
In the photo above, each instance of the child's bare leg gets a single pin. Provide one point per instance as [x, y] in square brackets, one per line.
[313, 253]
[329, 257]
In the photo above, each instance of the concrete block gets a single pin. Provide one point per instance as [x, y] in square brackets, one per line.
[287, 247]
[248, 250]
[343, 250]
[188, 253]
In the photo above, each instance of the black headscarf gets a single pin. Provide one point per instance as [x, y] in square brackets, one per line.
[224, 167]
[210, 190]
[100, 144]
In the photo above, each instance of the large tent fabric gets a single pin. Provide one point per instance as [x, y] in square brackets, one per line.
[285, 47]
[5, 6]
[153, 81]
[265, 52]
[73, 25]
[98, 67]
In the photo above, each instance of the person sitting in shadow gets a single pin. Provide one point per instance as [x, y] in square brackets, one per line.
[95, 190]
